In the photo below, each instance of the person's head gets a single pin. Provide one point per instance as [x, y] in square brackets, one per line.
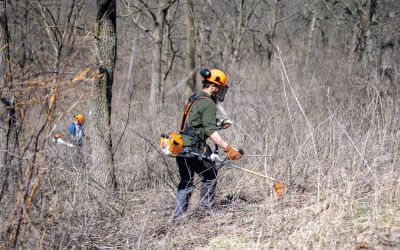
[79, 119]
[214, 83]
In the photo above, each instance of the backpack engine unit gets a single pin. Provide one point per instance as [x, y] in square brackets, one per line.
[171, 144]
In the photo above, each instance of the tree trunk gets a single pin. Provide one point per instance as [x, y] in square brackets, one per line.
[245, 12]
[7, 111]
[271, 35]
[204, 35]
[102, 170]
[310, 38]
[156, 90]
[364, 33]
[237, 34]
[190, 46]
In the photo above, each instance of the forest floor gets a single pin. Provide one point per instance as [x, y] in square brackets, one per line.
[248, 221]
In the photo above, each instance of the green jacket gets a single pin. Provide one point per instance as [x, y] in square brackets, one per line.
[203, 118]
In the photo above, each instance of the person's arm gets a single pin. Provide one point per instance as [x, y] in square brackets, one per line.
[217, 139]
[232, 153]
[210, 123]
[72, 131]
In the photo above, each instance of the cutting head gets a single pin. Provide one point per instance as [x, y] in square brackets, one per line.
[279, 189]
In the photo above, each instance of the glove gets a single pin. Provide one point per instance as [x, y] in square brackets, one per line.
[232, 153]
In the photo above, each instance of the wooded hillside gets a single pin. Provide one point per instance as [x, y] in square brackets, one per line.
[313, 96]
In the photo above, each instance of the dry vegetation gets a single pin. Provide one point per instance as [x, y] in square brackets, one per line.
[329, 128]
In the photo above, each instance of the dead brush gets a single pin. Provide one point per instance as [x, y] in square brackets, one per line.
[341, 167]
[339, 196]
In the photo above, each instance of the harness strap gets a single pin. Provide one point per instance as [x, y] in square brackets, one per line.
[188, 107]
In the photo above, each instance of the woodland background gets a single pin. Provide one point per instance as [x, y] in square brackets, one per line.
[314, 94]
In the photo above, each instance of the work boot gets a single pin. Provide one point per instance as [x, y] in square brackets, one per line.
[182, 202]
[207, 194]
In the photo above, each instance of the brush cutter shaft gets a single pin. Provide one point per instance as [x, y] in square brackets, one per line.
[228, 164]
[61, 141]
[216, 158]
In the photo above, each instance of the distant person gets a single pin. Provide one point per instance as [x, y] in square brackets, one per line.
[76, 130]
[199, 123]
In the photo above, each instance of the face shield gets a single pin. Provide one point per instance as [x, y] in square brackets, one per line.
[218, 81]
[221, 93]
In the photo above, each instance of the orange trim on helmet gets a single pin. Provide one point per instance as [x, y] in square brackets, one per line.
[217, 77]
[80, 118]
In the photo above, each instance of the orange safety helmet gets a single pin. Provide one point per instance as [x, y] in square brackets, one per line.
[215, 76]
[80, 118]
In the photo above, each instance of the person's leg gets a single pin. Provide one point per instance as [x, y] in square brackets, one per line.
[208, 184]
[185, 187]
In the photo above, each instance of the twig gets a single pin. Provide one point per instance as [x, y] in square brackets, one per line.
[251, 138]
[305, 118]
[288, 107]
[297, 100]
[358, 150]
[126, 122]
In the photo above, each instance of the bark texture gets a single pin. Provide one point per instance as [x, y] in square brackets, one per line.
[190, 46]
[156, 73]
[102, 170]
[310, 37]
[366, 13]
[7, 111]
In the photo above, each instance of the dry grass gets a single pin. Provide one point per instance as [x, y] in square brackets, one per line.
[343, 176]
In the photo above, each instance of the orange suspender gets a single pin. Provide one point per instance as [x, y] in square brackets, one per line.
[186, 112]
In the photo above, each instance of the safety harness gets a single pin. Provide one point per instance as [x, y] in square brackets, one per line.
[172, 144]
[186, 128]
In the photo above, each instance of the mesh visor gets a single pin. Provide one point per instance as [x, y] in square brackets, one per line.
[220, 95]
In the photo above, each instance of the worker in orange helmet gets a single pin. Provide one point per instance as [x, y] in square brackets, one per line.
[199, 123]
[76, 130]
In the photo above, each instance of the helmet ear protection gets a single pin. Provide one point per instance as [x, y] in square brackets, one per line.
[218, 79]
[205, 73]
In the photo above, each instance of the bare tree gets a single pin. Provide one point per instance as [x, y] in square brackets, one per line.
[156, 65]
[102, 170]
[204, 36]
[388, 45]
[311, 27]
[190, 45]
[269, 28]
[7, 111]
[156, 16]
[358, 17]
[366, 12]
[245, 11]
[271, 34]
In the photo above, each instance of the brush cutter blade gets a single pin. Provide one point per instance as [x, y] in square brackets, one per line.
[279, 189]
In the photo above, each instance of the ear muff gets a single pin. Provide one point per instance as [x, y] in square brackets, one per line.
[205, 73]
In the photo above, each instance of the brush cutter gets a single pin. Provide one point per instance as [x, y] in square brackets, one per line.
[58, 140]
[279, 187]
